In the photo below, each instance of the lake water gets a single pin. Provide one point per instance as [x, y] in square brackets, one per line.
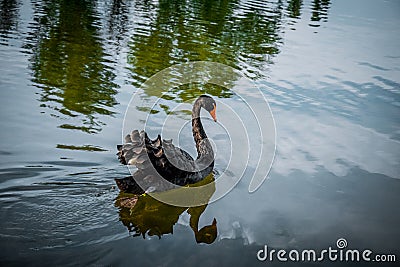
[330, 71]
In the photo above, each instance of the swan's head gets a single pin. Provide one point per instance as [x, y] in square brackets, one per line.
[208, 103]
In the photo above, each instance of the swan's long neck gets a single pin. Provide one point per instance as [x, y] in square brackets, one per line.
[203, 145]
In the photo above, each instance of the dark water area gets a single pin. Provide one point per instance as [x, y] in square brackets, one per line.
[330, 71]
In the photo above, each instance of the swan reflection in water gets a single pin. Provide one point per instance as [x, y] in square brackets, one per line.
[143, 214]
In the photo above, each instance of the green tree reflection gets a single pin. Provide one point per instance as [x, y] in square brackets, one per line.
[71, 67]
[69, 64]
[244, 37]
[117, 21]
[8, 16]
[294, 8]
[319, 12]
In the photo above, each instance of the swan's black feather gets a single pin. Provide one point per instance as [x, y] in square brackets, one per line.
[156, 157]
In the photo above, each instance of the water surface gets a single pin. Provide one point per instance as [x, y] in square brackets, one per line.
[329, 69]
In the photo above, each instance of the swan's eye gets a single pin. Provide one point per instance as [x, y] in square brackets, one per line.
[210, 107]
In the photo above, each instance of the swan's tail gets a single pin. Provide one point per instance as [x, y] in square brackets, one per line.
[120, 154]
[133, 152]
[138, 148]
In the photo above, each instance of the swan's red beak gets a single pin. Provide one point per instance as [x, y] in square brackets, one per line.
[212, 113]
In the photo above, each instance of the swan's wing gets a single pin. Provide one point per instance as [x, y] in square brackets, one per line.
[177, 157]
[144, 153]
[134, 151]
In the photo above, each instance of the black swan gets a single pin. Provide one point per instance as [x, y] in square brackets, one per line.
[159, 157]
